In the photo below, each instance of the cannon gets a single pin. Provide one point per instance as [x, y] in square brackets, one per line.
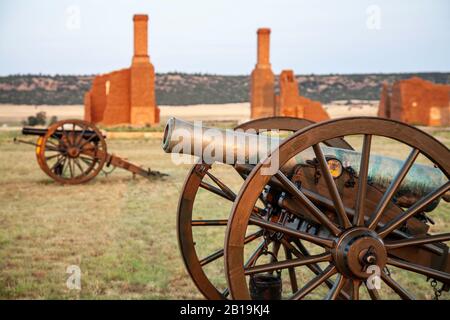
[313, 217]
[75, 151]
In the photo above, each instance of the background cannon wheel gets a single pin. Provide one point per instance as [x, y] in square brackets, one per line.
[195, 181]
[352, 238]
[72, 151]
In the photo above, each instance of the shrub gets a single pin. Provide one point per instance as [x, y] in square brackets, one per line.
[40, 119]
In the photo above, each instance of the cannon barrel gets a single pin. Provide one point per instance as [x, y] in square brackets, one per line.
[33, 131]
[226, 146]
[238, 147]
[58, 133]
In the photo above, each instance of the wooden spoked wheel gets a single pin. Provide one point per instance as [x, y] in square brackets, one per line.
[195, 181]
[350, 233]
[72, 151]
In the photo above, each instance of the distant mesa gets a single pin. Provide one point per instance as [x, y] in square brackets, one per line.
[126, 96]
[416, 101]
[264, 102]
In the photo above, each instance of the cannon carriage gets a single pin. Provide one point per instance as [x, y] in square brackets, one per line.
[315, 218]
[75, 152]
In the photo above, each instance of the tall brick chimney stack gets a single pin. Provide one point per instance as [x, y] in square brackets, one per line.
[143, 109]
[140, 38]
[262, 80]
[264, 48]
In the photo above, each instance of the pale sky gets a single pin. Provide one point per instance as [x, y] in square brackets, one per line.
[219, 36]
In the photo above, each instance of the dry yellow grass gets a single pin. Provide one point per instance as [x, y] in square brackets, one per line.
[120, 231]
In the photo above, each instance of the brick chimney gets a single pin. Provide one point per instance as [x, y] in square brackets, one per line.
[263, 48]
[140, 38]
[262, 96]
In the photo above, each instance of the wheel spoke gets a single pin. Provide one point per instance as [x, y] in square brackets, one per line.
[252, 259]
[391, 190]
[209, 223]
[417, 241]
[373, 293]
[87, 160]
[319, 215]
[222, 194]
[65, 164]
[52, 156]
[57, 163]
[398, 289]
[358, 218]
[88, 140]
[53, 143]
[332, 188]
[314, 283]
[51, 148]
[292, 275]
[79, 166]
[315, 268]
[70, 167]
[339, 283]
[298, 234]
[288, 264]
[219, 253]
[414, 209]
[429, 272]
[226, 292]
[222, 185]
[80, 138]
[355, 289]
[212, 257]
[217, 191]
[64, 132]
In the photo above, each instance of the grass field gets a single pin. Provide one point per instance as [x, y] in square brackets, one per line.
[120, 231]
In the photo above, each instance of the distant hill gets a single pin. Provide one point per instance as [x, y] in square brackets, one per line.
[188, 89]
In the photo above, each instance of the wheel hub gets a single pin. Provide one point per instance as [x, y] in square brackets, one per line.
[73, 152]
[356, 250]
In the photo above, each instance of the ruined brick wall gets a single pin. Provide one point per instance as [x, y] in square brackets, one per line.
[384, 107]
[87, 107]
[262, 96]
[395, 102]
[312, 110]
[126, 96]
[97, 99]
[289, 95]
[419, 102]
[117, 109]
[292, 104]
